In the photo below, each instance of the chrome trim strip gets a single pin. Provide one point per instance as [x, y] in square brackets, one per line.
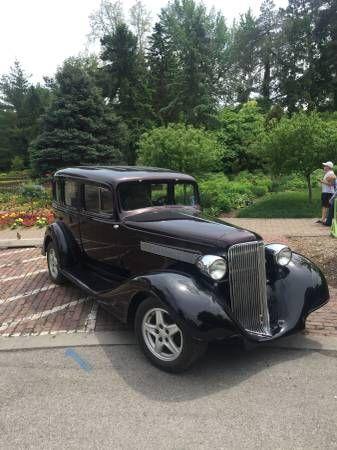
[169, 252]
[248, 286]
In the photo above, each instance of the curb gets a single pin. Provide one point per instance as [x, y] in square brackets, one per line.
[83, 339]
[14, 243]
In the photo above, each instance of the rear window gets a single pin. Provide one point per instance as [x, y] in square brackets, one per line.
[58, 190]
[71, 193]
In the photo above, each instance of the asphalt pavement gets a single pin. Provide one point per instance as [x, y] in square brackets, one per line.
[108, 396]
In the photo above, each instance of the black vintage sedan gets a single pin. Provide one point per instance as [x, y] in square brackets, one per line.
[134, 239]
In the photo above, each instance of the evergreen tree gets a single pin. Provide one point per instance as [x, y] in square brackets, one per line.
[127, 84]
[297, 51]
[244, 58]
[196, 42]
[26, 103]
[267, 24]
[79, 127]
[325, 35]
[163, 69]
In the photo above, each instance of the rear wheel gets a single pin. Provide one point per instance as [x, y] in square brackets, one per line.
[54, 265]
[164, 342]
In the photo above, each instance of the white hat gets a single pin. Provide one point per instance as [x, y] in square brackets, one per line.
[329, 164]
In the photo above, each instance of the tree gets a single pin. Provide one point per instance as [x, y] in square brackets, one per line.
[300, 144]
[267, 25]
[179, 147]
[127, 84]
[244, 58]
[105, 19]
[163, 69]
[13, 87]
[239, 135]
[140, 20]
[297, 85]
[79, 127]
[9, 145]
[26, 103]
[325, 35]
[197, 39]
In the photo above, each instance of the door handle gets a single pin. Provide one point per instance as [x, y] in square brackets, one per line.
[115, 227]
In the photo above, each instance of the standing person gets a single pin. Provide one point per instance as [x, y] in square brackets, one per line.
[328, 189]
[330, 215]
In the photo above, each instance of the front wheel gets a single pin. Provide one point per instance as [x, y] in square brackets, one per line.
[165, 343]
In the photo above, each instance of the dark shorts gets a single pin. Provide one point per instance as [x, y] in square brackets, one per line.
[325, 199]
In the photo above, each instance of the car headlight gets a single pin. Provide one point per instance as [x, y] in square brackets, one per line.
[282, 253]
[213, 266]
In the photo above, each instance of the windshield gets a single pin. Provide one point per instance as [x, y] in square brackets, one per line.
[144, 194]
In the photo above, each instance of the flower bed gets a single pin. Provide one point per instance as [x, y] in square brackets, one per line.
[15, 219]
[30, 206]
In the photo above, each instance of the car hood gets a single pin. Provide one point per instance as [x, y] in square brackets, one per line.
[189, 228]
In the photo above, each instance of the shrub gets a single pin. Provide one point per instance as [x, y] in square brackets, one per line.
[179, 147]
[221, 193]
[17, 164]
[32, 192]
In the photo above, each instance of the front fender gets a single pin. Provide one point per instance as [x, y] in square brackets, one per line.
[191, 303]
[294, 291]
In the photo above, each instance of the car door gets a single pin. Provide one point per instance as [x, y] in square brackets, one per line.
[100, 230]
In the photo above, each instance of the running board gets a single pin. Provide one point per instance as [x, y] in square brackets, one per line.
[89, 281]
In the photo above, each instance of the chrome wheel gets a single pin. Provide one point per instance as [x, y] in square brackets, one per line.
[53, 263]
[162, 336]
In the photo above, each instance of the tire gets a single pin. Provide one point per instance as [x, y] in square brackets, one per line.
[166, 344]
[54, 265]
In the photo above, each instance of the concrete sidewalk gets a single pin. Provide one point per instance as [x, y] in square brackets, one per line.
[21, 237]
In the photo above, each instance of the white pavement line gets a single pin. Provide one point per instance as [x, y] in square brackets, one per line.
[28, 293]
[16, 251]
[39, 315]
[90, 322]
[28, 274]
[33, 259]
[15, 263]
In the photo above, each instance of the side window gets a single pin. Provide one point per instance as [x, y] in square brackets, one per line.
[71, 193]
[91, 197]
[98, 199]
[106, 201]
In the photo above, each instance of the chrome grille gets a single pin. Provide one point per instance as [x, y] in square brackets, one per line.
[247, 280]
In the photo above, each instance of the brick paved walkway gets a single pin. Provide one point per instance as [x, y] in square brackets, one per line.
[30, 304]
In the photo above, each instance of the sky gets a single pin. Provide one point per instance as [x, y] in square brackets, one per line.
[42, 33]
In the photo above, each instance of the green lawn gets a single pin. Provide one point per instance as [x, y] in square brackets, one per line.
[284, 205]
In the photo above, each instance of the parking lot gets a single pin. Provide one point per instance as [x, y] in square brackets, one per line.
[30, 304]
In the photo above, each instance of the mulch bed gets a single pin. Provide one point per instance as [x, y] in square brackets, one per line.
[322, 250]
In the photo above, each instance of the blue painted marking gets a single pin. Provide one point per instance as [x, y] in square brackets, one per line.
[80, 361]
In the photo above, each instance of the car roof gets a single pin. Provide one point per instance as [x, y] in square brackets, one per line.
[116, 174]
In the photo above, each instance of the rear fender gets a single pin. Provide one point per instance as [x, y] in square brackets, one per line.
[66, 247]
